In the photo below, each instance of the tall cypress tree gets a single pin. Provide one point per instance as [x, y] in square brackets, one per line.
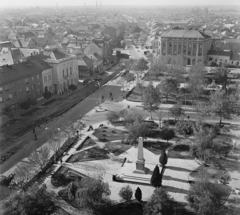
[156, 179]
[163, 158]
[138, 194]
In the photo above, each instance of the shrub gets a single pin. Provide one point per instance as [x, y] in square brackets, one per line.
[163, 158]
[126, 193]
[156, 179]
[138, 194]
[167, 133]
[185, 127]
[33, 101]
[25, 105]
[47, 95]
[72, 87]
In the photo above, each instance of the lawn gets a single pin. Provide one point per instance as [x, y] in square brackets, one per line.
[117, 148]
[106, 134]
[88, 142]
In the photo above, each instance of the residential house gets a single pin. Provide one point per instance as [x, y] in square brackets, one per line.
[65, 70]
[85, 65]
[193, 45]
[19, 82]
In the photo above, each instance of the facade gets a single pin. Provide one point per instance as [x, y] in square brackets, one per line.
[193, 45]
[18, 83]
[85, 65]
[65, 69]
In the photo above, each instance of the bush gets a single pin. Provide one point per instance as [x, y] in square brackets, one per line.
[47, 95]
[163, 158]
[138, 194]
[72, 87]
[25, 105]
[126, 193]
[167, 133]
[185, 127]
[156, 179]
[33, 101]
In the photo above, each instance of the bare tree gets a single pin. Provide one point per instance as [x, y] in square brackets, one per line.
[54, 145]
[40, 157]
[23, 173]
[160, 115]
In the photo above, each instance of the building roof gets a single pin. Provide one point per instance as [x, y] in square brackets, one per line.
[6, 44]
[98, 57]
[219, 53]
[185, 34]
[27, 35]
[87, 61]
[59, 55]
[39, 62]
[17, 71]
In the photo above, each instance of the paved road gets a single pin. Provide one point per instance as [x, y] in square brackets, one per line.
[71, 116]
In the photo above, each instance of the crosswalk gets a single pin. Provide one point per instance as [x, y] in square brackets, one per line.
[93, 98]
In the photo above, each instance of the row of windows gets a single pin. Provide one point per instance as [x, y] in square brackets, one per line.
[188, 48]
[12, 95]
[67, 72]
[47, 78]
[13, 84]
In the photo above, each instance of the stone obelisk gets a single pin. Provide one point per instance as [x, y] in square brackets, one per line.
[140, 163]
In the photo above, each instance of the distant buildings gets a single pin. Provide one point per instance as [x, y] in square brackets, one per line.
[193, 45]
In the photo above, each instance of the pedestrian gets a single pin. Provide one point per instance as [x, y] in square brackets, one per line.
[35, 136]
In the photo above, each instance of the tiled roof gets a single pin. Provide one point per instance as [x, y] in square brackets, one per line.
[6, 44]
[18, 71]
[39, 62]
[185, 34]
[219, 53]
[27, 34]
[59, 55]
[97, 56]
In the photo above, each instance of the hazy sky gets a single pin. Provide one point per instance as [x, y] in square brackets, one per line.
[6, 3]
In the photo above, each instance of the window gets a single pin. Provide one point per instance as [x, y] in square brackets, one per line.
[164, 48]
[189, 48]
[26, 81]
[175, 48]
[179, 48]
[184, 48]
[1, 99]
[45, 78]
[49, 77]
[63, 73]
[27, 89]
[38, 83]
[70, 70]
[1, 90]
[200, 49]
[67, 72]
[10, 96]
[194, 49]
[7, 87]
[170, 48]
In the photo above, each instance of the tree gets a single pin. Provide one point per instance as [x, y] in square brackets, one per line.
[167, 133]
[47, 95]
[36, 201]
[113, 116]
[25, 105]
[72, 87]
[40, 157]
[126, 193]
[163, 159]
[150, 56]
[23, 173]
[54, 145]
[177, 111]
[168, 86]
[130, 77]
[160, 115]
[156, 179]
[196, 80]
[141, 87]
[206, 197]
[88, 192]
[141, 66]
[136, 130]
[138, 194]
[223, 105]
[160, 203]
[221, 76]
[151, 99]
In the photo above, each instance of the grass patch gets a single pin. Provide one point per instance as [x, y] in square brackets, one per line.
[157, 147]
[30, 112]
[88, 142]
[117, 148]
[108, 134]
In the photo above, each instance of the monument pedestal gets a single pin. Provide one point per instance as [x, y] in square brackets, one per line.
[140, 167]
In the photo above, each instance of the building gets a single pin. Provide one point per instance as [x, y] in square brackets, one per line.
[65, 69]
[19, 82]
[85, 65]
[193, 45]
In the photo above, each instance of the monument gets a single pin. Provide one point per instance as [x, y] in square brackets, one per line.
[140, 163]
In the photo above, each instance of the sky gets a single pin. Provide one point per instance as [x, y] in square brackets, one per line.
[14, 3]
